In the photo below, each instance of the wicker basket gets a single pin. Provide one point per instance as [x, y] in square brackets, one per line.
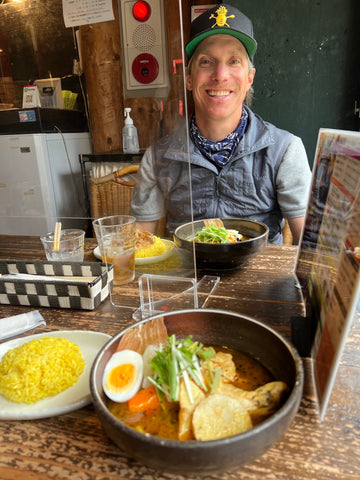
[111, 195]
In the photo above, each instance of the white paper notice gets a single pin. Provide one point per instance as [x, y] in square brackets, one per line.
[83, 12]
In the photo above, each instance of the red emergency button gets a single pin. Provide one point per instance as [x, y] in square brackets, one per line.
[145, 68]
[141, 11]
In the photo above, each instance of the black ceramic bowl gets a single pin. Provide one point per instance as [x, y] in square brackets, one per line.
[214, 327]
[224, 255]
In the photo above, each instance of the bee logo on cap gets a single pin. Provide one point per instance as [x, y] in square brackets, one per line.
[221, 17]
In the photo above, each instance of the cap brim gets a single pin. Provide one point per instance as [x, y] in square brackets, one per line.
[249, 43]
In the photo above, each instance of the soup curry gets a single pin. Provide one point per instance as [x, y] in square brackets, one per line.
[251, 380]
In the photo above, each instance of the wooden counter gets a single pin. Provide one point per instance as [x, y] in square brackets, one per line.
[75, 446]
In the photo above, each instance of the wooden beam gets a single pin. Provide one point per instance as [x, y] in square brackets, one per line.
[101, 54]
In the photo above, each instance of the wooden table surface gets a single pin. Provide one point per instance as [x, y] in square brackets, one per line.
[75, 446]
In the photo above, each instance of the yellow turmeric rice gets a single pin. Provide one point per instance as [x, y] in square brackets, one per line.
[157, 248]
[40, 368]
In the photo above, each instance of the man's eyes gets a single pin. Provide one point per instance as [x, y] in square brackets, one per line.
[205, 61]
[208, 61]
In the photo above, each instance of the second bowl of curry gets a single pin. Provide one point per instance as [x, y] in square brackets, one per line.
[224, 255]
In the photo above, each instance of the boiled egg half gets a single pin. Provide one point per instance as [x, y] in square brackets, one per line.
[123, 375]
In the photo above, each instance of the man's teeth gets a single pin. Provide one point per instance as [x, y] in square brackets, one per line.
[222, 93]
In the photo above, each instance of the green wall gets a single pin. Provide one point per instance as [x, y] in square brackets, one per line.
[307, 64]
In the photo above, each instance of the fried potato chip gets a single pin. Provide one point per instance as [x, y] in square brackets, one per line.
[139, 338]
[219, 416]
[214, 221]
[232, 391]
[186, 409]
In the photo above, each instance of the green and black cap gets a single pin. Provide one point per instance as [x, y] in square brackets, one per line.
[222, 19]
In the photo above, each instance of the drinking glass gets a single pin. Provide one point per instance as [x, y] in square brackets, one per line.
[116, 239]
[71, 246]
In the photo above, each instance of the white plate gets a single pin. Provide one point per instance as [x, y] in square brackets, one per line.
[76, 396]
[158, 258]
[96, 252]
[144, 261]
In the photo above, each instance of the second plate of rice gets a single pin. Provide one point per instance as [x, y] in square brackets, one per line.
[148, 255]
[152, 255]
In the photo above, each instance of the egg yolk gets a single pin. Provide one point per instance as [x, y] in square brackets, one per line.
[121, 377]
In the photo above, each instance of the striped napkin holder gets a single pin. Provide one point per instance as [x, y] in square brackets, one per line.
[54, 292]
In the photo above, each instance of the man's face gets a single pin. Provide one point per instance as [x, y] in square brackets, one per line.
[219, 79]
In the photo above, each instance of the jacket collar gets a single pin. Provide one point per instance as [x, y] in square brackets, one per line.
[257, 136]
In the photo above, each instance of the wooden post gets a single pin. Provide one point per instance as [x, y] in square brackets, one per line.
[102, 63]
[101, 55]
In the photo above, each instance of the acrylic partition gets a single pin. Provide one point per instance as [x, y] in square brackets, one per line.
[55, 176]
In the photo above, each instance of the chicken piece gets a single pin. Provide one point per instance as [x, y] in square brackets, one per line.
[143, 239]
[268, 398]
[265, 400]
[225, 362]
[187, 407]
[219, 416]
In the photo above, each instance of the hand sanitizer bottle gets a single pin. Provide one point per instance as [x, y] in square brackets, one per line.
[129, 134]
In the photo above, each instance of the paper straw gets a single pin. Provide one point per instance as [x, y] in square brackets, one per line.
[57, 232]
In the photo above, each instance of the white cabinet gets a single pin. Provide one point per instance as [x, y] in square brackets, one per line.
[40, 182]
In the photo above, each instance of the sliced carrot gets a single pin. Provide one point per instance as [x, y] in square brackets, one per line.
[144, 399]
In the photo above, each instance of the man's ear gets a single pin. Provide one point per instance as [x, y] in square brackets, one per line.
[188, 80]
[251, 78]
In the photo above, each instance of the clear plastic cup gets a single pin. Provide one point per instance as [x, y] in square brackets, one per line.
[116, 239]
[71, 246]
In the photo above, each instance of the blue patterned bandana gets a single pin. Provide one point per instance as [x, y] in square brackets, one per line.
[220, 152]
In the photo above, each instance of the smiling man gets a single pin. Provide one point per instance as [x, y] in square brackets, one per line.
[241, 166]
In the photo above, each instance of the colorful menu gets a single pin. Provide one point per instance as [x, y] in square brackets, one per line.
[328, 263]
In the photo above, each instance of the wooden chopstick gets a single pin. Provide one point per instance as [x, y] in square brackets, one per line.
[50, 278]
[57, 233]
